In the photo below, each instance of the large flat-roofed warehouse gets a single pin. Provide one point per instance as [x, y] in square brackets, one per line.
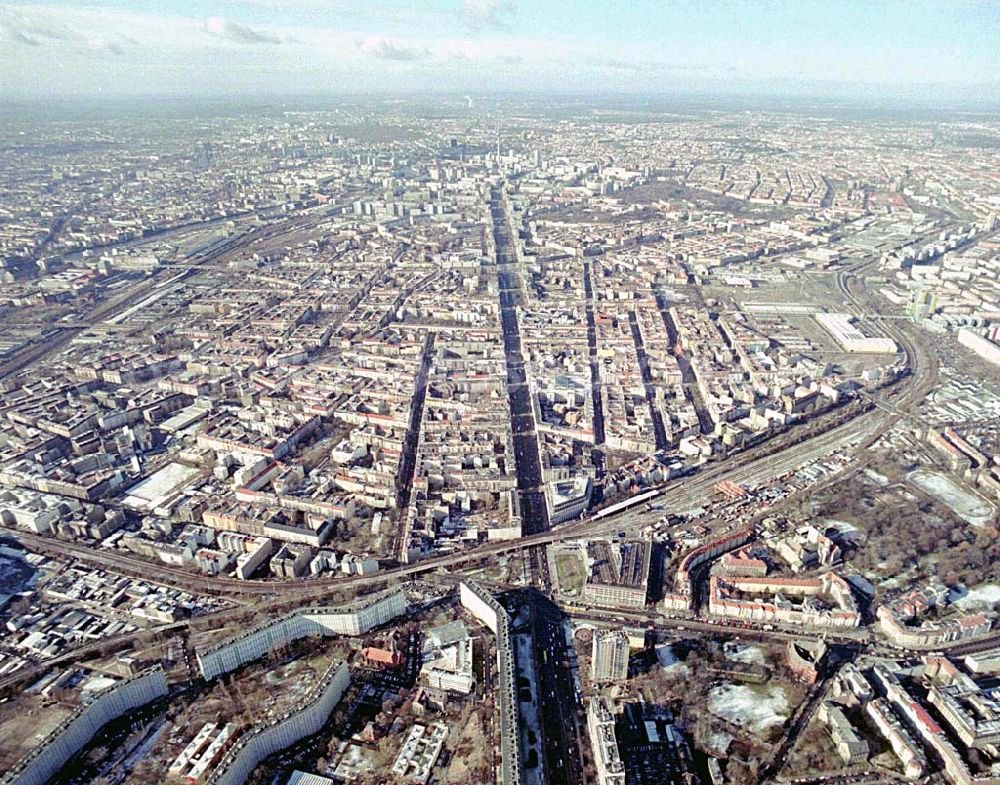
[851, 339]
[618, 573]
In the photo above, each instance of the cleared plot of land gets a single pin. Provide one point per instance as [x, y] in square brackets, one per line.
[23, 723]
[470, 760]
[814, 752]
[571, 570]
[158, 485]
[668, 659]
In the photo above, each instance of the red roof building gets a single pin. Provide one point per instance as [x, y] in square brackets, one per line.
[383, 657]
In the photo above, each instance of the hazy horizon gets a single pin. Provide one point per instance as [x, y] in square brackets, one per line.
[636, 107]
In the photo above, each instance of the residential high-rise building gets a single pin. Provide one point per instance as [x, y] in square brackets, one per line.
[609, 656]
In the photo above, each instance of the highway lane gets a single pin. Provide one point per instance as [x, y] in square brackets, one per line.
[975, 646]
[647, 382]
[561, 734]
[690, 383]
[847, 777]
[677, 496]
[800, 720]
[683, 495]
[136, 566]
[36, 352]
[110, 644]
[597, 399]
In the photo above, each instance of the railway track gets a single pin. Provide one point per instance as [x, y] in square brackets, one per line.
[680, 493]
[919, 361]
[112, 307]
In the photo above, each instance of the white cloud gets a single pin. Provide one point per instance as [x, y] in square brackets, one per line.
[386, 49]
[17, 36]
[34, 32]
[64, 49]
[58, 32]
[237, 33]
[488, 14]
[325, 6]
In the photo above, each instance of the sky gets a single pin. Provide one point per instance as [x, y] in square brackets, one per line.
[121, 48]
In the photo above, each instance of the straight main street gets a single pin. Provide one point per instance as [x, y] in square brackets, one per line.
[534, 518]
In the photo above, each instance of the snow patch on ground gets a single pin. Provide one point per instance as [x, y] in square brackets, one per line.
[144, 494]
[879, 479]
[983, 596]
[719, 741]
[839, 525]
[529, 711]
[758, 708]
[746, 653]
[965, 505]
[669, 660]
